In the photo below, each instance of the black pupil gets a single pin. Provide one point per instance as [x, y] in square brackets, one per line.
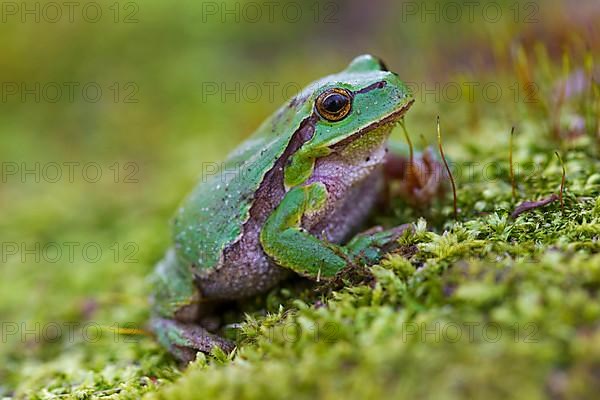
[335, 102]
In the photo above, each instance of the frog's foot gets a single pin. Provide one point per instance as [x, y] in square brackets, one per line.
[421, 180]
[370, 246]
[184, 340]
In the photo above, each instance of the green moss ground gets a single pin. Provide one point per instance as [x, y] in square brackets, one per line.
[485, 306]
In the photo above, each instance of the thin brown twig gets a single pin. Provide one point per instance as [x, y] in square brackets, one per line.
[562, 181]
[510, 161]
[439, 137]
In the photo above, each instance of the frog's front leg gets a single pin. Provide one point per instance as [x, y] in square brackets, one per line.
[289, 245]
[175, 320]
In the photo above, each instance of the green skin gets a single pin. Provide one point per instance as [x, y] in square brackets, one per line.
[284, 202]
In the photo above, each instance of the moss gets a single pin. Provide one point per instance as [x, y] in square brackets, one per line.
[487, 306]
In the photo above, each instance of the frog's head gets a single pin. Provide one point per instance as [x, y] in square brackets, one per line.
[353, 113]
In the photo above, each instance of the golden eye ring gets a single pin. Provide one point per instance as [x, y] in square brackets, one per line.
[334, 104]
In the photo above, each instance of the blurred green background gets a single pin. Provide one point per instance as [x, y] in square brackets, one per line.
[159, 87]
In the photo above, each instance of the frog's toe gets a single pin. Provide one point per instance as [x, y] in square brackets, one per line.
[185, 340]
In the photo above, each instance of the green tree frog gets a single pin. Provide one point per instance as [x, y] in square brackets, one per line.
[285, 202]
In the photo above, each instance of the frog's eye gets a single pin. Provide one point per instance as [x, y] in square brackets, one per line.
[334, 104]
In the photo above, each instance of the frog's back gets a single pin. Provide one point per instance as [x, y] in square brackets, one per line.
[213, 215]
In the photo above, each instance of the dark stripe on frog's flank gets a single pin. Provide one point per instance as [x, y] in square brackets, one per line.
[376, 85]
[274, 176]
[213, 215]
[246, 253]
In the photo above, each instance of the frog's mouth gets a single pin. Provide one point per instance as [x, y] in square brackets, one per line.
[392, 118]
[385, 124]
[366, 149]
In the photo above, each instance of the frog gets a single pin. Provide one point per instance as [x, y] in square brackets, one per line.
[288, 201]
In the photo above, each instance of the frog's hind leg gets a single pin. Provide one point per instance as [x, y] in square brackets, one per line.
[176, 312]
[184, 340]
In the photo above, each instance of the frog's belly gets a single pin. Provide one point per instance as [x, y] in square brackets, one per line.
[246, 269]
[345, 215]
